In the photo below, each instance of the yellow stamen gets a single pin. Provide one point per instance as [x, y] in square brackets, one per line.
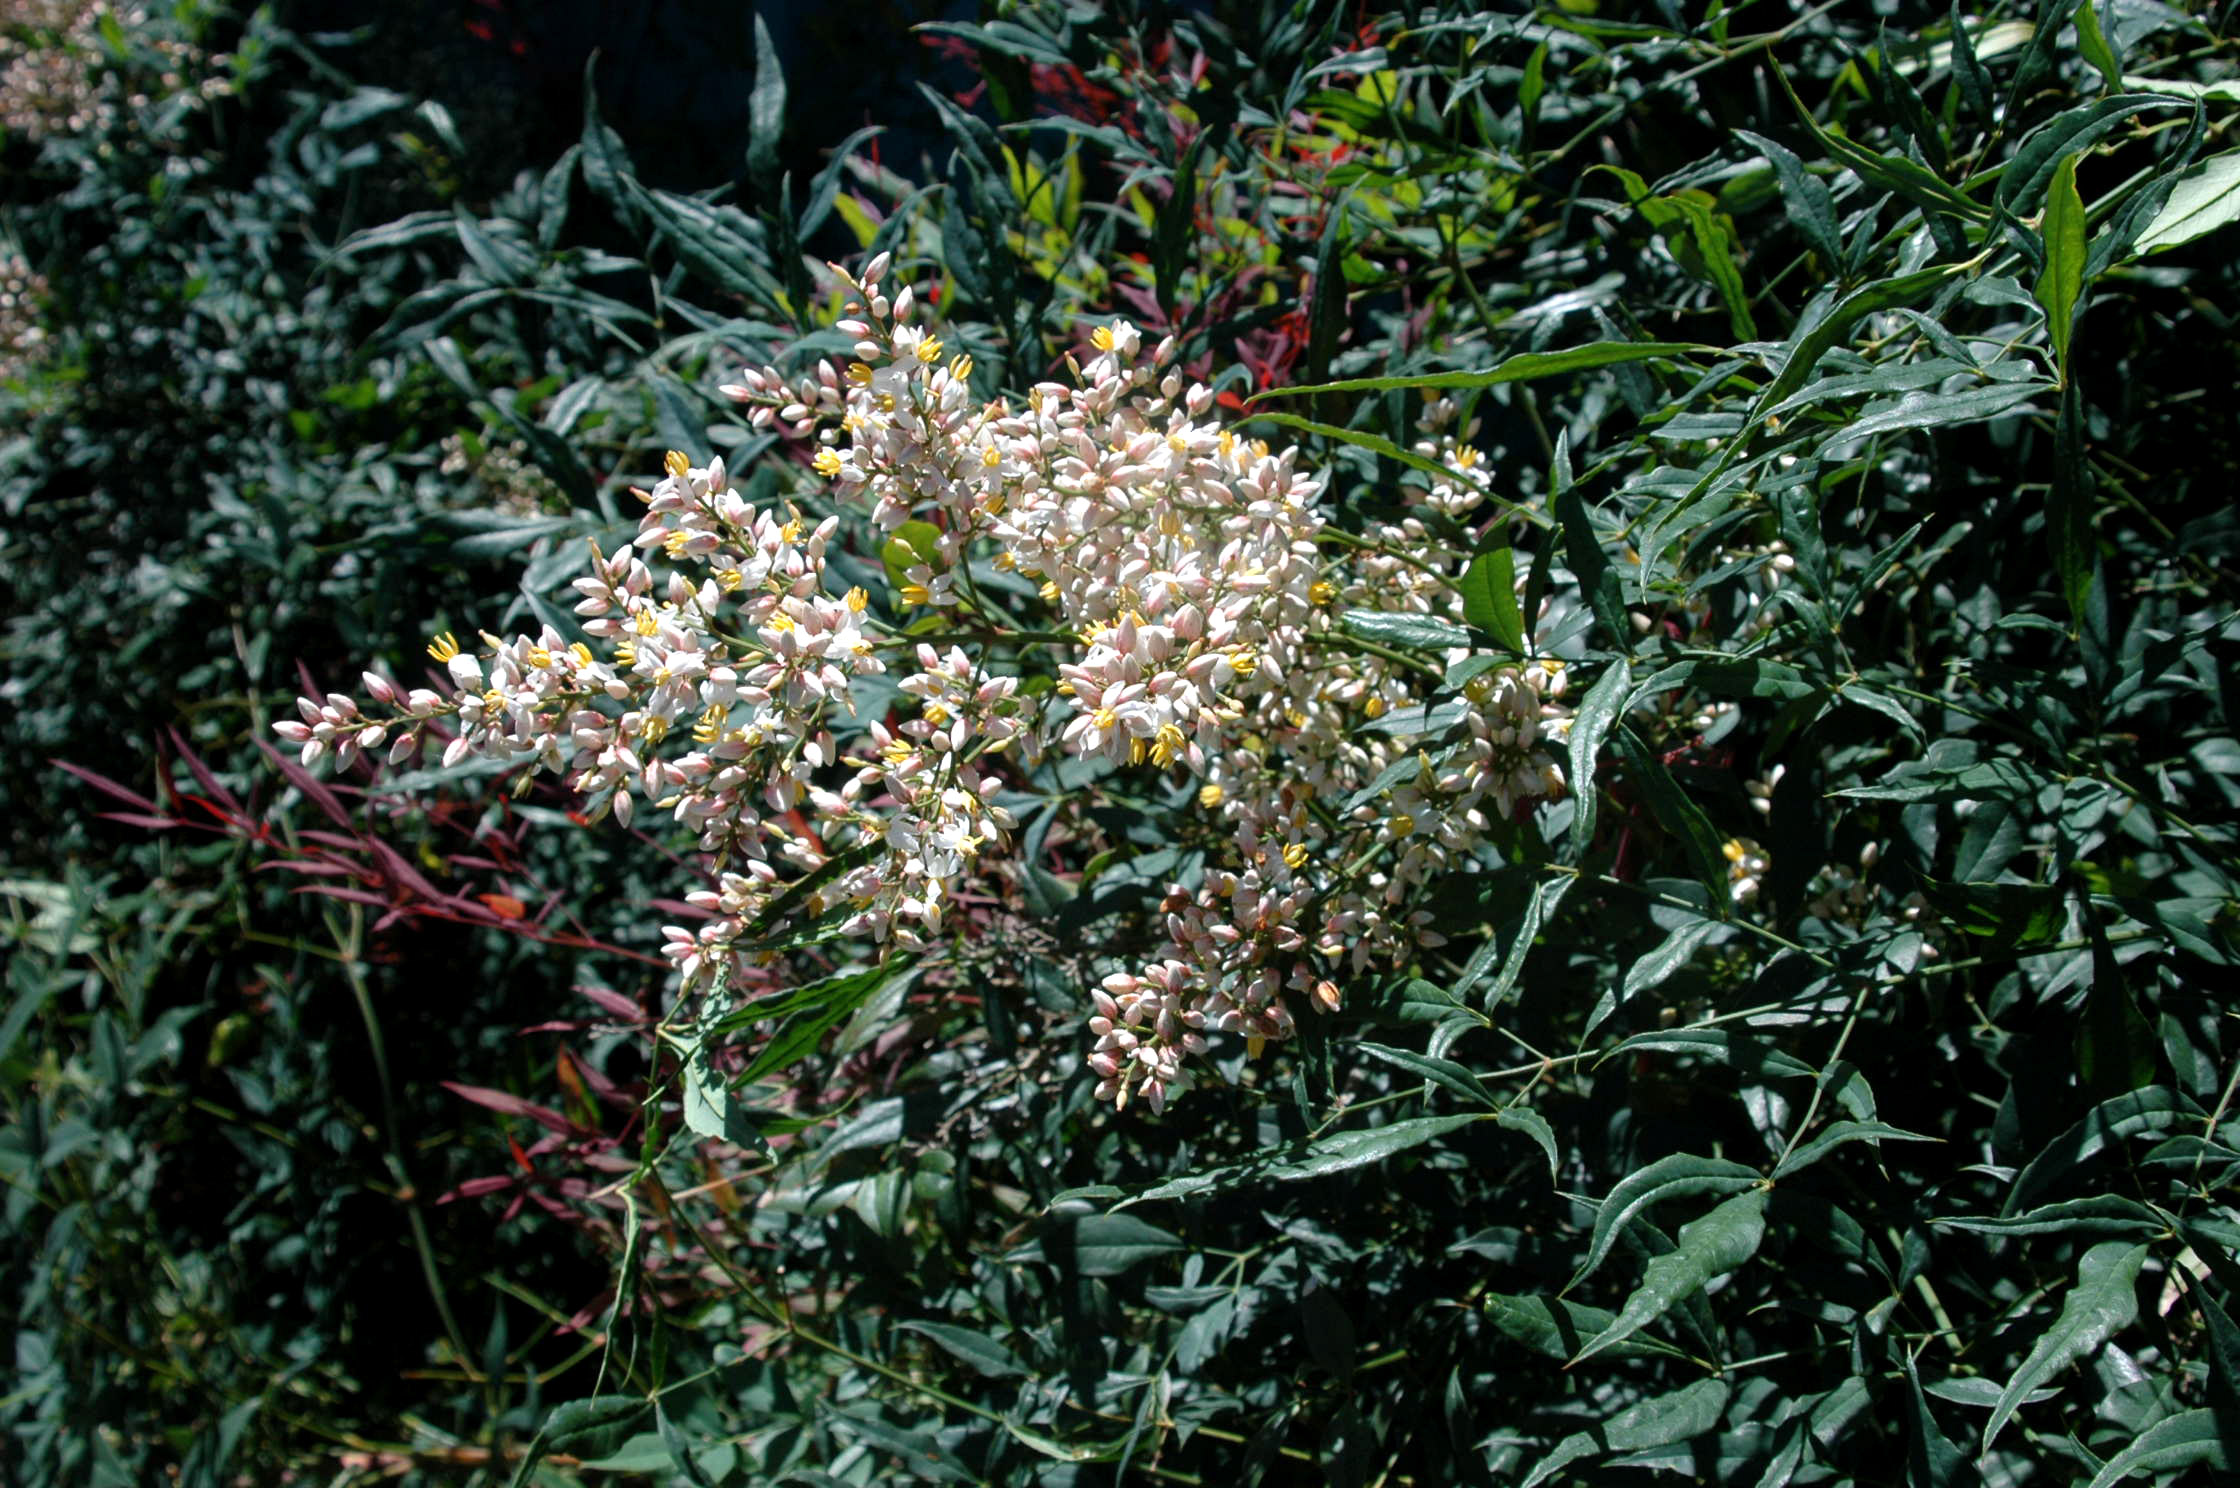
[859, 373]
[1373, 706]
[1209, 796]
[444, 646]
[1101, 338]
[646, 623]
[857, 599]
[916, 594]
[1295, 856]
[929, 350]
[827, 463]
[676, 464]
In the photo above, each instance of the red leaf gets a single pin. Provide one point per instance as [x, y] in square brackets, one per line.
[513, 1105]
[105, 785]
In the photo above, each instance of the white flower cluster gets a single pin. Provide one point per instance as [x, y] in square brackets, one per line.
[1182, 582]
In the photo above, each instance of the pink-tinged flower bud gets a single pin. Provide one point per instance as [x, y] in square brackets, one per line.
[292, 731]
[405, 746]
[876, 270]
[852, 327]
[904, 303]
[379, 688]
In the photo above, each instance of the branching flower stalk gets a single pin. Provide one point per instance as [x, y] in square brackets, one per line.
[1169, 576]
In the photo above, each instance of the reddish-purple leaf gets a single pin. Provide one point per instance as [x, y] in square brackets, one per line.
[513, 1105]
[106, 786]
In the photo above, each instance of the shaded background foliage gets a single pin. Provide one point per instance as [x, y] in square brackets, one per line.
[1839, 1174]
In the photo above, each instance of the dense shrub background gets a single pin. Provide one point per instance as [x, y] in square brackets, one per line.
[1928, 510]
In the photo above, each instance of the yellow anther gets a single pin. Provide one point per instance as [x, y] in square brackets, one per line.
[710, 727]
[790, 534]
[991, 457]
[935, 714]
[730, 580]
[1177, 443]
[1210, 796]
[1467, 457]
[540, 658]
[676, 542]
[1049, 590]
[444, 646]
[1105, 719]
[916, 594]
[1246, 662]
[1101, 338]
[1167, 745]
[1402, 824]
[960, 366]
[1295, 856]
[929, 350]
[625, 655]
[676, 464]
[1137, 749]
[646, 623]
[781, 622]
[1321, 592]
[857, 599]
[859, 373]
[656, 729]
[494, 700]
[827, 463]
[581, 653]
[1733, 849]
[1373, 705]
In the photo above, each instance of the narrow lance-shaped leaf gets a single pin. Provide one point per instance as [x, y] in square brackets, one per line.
[1525, 366]
[1676, 1176]
[1708, 1248]
[2061, 283]
[2104, 1300]
[1684, 1413]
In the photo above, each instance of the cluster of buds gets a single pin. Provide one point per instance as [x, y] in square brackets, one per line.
[1175, 575]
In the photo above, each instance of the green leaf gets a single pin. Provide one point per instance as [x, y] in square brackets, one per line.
[1805, 198]
[587, 1429]
[2153, 1109]
[2093, 44]
[2205, 198]
[1525, 366]
[1747, 1056]
[2061, 283]
[2106, 1215]
[1532, 1124]
[1556, 1328]
[709, 1110]
[1676, 1176]
[1444, 1073]
[913, 543]
[1806, 349]
[2015, 915]
[2192, 1438]
[1098, 1244]
[2103, 1301]
[766, 106]
[984, 1354]
[1680, 816]
[1489, 598]
[1295, 1162]
[1840, 1132]
[2024, 177]
[1590, 725]
[1653, 1423]
[1416, 632]
[1708, 1248]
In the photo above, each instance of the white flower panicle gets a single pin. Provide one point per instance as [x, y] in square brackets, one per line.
[1185, 583]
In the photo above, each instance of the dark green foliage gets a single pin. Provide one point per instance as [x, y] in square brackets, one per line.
[1856, 390]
